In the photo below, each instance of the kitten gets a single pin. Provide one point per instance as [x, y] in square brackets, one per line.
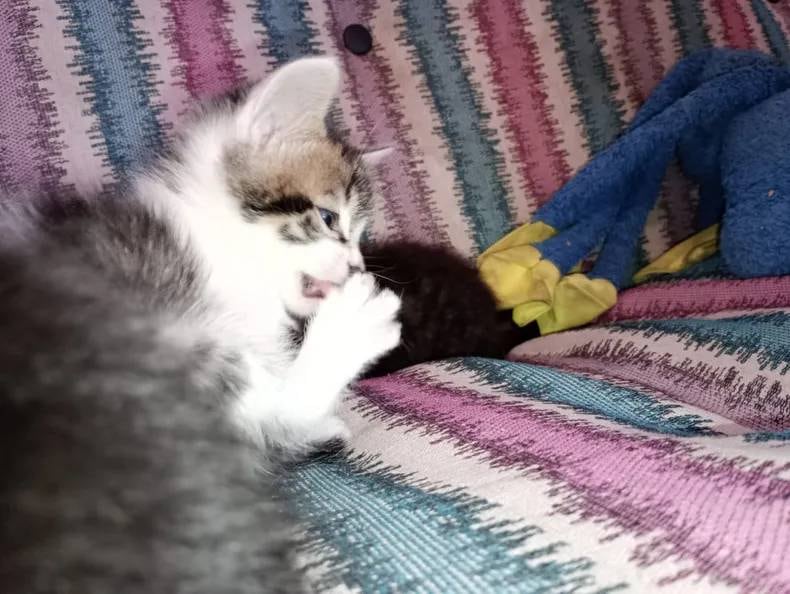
[146, 370]
[446, 311]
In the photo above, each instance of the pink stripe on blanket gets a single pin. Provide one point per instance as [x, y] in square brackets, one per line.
[735, 25]
[157, 19]
[568, 119]
[376, 110]
[517, 73]
[714, 513]
[205, 46]
[432, 149]
[698, 297]
[30, 155]
[250, 52]
[638, 46]
[83, 155]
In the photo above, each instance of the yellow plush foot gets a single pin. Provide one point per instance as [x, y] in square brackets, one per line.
[577, 300]
[692, 251]
[522, 280]
[514, 269]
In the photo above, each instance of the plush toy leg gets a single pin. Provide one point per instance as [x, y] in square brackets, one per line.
[524, 271]
[524, 267]
[680, 81]
[572, 245]
[580, 299]
[601, 184]
[615, 261]
[569, 300]
[527, 273]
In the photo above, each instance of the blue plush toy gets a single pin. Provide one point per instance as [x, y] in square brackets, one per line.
[726, 115]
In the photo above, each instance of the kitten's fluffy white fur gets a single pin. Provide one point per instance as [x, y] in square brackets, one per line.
[256, 278]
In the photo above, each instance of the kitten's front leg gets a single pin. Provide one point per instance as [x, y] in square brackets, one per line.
[353, 327]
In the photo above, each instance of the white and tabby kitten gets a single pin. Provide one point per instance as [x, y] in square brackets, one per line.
[146, 359]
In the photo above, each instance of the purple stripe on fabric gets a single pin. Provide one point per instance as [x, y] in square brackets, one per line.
[715, 514]
[694, 297]
[205, 46]
[638, 45]
[165, 63]
[752, 404]
[374, 91]
[83, 159]
[569, 121]
[30, 154]
[521, 91]
[737, 32]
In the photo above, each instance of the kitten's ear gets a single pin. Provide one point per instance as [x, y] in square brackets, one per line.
[376, 157]
[295, 99]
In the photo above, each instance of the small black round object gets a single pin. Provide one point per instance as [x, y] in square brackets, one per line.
[357, 39]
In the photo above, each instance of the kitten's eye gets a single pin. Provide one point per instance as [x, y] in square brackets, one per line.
[329, 217]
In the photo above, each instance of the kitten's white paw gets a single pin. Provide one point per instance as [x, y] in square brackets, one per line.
[330, 430]
[356, 324]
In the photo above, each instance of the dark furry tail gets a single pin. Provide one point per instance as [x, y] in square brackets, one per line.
[513, 335]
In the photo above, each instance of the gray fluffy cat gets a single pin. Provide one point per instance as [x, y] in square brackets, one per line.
[148, 382]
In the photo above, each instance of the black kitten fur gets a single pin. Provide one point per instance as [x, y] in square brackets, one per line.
[446, 311]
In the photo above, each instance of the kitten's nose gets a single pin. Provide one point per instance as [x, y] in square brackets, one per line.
[354, 269]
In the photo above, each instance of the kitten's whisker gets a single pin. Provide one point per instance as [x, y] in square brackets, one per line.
[392, 280]
[380, 268]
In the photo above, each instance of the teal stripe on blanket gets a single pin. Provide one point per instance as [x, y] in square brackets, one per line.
[614, 403]
[431, 29]
[112, 54]
[768, 436]
[766, 336]
[289, 33]
[772, 30]
[689, 20]
[381, 531]
[590, 76]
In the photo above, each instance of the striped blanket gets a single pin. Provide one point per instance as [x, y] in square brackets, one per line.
[648, 453]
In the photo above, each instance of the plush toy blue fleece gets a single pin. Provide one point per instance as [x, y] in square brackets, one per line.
[726, 115]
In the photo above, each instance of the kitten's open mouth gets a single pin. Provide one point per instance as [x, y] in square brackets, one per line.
[314, 288]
